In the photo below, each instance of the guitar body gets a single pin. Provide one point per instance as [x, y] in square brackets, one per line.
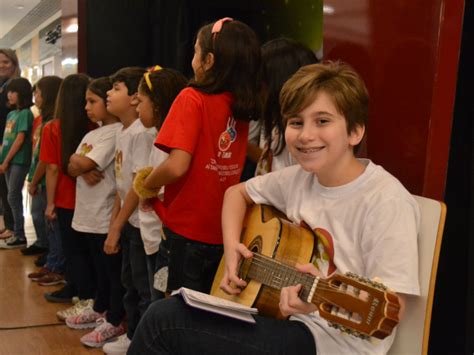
[268, 232]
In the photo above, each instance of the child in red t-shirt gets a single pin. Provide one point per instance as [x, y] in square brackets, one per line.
[59, 141]
[205, 134]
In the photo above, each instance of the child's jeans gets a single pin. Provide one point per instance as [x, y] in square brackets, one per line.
[192, 264]
[134, 276]
[15, 176]
[38, 206]
[55, 259]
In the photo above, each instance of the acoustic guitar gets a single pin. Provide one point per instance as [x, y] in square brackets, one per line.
[350, 303]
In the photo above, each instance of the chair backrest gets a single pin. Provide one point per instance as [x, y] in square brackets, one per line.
[414, 330]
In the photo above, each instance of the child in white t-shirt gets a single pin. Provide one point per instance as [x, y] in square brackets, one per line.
[364, 221]
[132, 148]
[94, 203]
[156, 93]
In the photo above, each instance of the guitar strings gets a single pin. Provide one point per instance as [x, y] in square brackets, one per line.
[262, 261]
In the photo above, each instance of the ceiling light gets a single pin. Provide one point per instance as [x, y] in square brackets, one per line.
[72, 28]
[20, 6]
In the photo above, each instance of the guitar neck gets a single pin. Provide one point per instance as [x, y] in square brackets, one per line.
[277, 275]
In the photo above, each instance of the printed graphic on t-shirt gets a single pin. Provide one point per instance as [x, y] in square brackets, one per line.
[118, 164]
[323, 257]
[9, 127]
[85, 148]
[227, 137]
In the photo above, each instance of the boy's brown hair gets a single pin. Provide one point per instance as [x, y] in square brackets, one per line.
[336, 79]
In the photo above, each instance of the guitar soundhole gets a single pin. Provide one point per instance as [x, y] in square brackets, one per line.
[256, 245]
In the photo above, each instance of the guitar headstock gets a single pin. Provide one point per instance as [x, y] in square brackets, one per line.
[357, 305]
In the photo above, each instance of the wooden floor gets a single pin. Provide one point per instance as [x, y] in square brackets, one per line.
[28, 323]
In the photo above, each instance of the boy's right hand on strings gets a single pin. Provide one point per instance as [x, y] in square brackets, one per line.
[231, 283]
[93, 177]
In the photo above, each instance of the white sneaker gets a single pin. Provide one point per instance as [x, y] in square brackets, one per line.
[117, 347]
[75, 310]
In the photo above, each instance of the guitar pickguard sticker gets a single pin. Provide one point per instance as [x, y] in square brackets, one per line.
[323, 257]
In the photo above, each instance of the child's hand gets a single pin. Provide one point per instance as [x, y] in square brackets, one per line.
[50, 212]
[3, 168]
[291, 303]
[32, 189]
[145, 205]
[93, 177]
[111, 242]
[231, 282]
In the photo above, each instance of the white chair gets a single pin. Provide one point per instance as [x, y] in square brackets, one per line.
[414, 330]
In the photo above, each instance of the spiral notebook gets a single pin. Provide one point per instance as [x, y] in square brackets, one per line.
[217, 305]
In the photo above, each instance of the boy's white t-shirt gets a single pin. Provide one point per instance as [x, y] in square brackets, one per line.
[94, 204]
[369, 226]
[150, 223]
[132, 149]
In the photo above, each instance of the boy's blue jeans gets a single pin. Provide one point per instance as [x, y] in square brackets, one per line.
[15, 176]
[169, 326]
[134, 276]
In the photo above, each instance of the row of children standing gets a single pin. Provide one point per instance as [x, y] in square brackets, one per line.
[114, 250]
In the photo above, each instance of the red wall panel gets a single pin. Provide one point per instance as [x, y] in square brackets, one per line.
[407, 52]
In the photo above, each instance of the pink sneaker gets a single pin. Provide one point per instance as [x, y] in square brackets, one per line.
[87, 319]
[102, 334]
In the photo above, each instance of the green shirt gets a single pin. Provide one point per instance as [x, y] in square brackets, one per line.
[17, 122]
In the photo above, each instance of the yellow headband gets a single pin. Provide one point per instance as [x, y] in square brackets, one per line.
[147, 76]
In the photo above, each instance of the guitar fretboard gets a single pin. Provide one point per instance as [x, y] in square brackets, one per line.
[277, 275]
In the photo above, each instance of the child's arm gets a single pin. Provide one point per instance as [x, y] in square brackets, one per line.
[117, 222]
[79, 165]
[52, 171]
[39, 173]
[236, 201]
[174, 167]
[20, 138]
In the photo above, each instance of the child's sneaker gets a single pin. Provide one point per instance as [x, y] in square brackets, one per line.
[102, 334]
[16, 243]
[87, 319]
[119, 346]
[35, 276]
[75, 310]
[51, 278]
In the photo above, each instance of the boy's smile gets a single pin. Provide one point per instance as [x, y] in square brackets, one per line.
[317, 138]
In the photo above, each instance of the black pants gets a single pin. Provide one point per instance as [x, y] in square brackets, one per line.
[171, 327]
[79, 264]
[191, 264]
[108, 270]
[134, 276]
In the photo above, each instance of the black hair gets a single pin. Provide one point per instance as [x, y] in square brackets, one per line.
[236, 66]
[130, 76]
[100, 86]
[23, 88]
[70, 109]
[49, 87]
[166, 85]
[281, 58]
